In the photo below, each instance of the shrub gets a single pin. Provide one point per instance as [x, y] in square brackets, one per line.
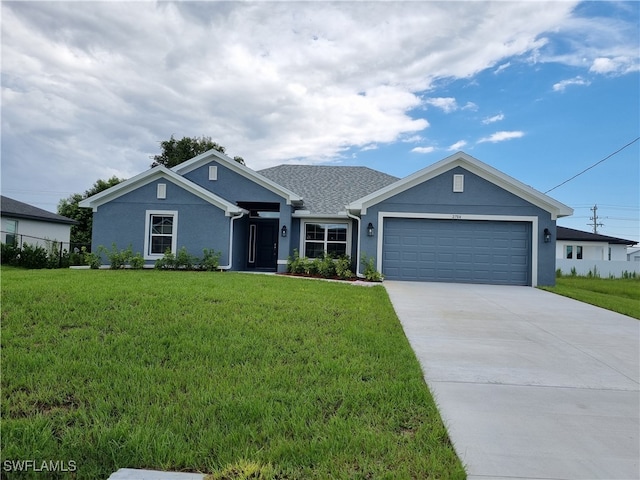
[370, 271]
[185, 260]
[574, 272]
[167, 262]
[137, 261]
[558, 272]
[33, 256]
[117, 258]
[296, 264]
[9, 254]
[92, 260]
[210, 260]
[343, 267]
[325, 266]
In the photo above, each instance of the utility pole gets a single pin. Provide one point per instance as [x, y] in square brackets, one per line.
[594, 219]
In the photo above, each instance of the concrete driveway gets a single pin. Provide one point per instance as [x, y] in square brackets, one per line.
[531, 385]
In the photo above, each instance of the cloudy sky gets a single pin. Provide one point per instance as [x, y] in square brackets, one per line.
[538, 90]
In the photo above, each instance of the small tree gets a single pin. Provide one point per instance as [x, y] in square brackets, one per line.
[68, 207]
[175, 152]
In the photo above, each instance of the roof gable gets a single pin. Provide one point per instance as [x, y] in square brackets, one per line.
[564, 233]
[291, 197]
[461, 159]
[327, 189]
[13, 208]
[154, 174]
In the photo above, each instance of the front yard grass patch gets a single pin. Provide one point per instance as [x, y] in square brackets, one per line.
[620, 295]
[205, 372]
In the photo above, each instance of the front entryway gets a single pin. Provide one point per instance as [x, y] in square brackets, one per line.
[263, 244]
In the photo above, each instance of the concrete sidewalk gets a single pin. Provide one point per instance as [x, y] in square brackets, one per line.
[531, 385]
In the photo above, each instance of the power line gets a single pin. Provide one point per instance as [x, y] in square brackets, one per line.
[597, 163]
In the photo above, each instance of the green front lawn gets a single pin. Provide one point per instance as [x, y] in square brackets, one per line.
[196, 371]
[620, 295]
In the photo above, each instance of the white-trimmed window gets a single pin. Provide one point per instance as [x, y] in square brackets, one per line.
[325, 238]
[570, 249]
[11, 232]
[161, 227]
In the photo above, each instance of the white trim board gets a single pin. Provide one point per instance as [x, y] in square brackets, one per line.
[472, 165]
[462, 216]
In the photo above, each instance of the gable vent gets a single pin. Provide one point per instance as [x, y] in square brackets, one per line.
[162, 191]
[213, 172]
[458, 183]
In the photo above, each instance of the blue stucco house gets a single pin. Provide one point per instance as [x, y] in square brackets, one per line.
[458, 220]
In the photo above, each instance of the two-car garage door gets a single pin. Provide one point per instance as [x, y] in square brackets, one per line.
[464, 251]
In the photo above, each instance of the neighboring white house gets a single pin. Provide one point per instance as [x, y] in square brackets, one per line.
[633, 254]
[23, 223]
[586, 251]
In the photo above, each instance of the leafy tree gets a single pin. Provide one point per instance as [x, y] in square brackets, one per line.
[174, 152]
[81, 233]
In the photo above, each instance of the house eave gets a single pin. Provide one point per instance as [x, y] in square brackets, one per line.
[152, 175]
[307, 214]
[555, 208]
[291, 198]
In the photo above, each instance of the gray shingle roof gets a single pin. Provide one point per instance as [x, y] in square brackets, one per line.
[327, 189]
[13, 208]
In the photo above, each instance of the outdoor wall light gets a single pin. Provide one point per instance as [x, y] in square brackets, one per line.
[547, 235]
[370, 230]
[283, 231]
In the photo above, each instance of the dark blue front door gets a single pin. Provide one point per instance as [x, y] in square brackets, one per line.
[263, 244]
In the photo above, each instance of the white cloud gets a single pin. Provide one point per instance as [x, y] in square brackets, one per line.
[617, 65]
[495, 118]
[457, 146]
[501, 136]
[93, 87]
[560, 86]
[470, 106]
[423, 149]
[446, 104]
[502, 67]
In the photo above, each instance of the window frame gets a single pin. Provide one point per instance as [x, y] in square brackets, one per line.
[568, 252]
[149, 214]
[326, 223]
[9, 225]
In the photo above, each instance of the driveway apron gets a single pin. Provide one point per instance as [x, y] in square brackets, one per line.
[531, 385]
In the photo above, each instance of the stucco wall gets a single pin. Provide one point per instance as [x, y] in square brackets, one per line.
[200, 224]
[592, 250]
[34, 232]
[480, 197]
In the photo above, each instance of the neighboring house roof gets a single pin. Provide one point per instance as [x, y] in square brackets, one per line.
[154, 174]
[291, 197]
[475, 166]
[13, 208]
[328, 189]
[564, 233]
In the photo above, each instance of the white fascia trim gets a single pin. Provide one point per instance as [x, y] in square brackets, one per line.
[307, 215]
[147, 233]
[449, 216]
[152, 175]
[214, 155]
[473, 165]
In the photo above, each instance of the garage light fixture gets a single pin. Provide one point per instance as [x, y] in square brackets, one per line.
[370, 230]
[283, 232]
[547, 235]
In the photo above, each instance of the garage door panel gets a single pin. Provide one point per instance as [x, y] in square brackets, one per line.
[457, 251]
